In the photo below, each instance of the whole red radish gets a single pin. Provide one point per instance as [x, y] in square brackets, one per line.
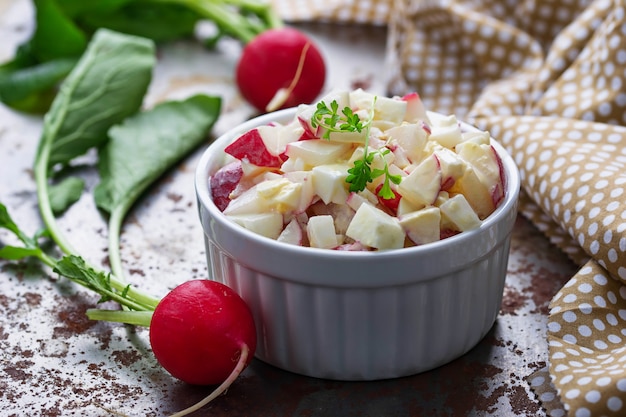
[280, 68]
[200, 330]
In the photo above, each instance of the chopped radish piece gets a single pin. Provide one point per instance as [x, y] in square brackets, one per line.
[423, 184]
[321, 232]
[223, 182]
[251, 147]
[459, 212]
[415, 110]
[422, 226]
[265, 224]
[375, 228]
[292, 233]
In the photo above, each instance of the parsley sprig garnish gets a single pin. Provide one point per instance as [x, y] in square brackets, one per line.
[347, 121]
[385, 191]
[332, 121]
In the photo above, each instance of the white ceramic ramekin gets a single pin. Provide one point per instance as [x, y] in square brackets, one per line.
[360, 315]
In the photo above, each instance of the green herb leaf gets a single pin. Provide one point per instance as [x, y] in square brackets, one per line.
[107, 85]
[56, 35]
[30, 248]
[15, 253]
[362, 173]
[359, 175]
[143, 147]
[32, 88]
[65, 193]
[377, 173]
[396, 179]
[76, 269]
[386, 192]
[352, 122]
[332, 121]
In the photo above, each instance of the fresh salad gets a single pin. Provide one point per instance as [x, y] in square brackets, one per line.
[356, 171]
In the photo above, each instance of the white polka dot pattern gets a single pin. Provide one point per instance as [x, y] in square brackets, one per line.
[557, 235]
[587, 343]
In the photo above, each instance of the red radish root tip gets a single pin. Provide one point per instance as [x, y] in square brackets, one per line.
[241, 365]
[282, 94]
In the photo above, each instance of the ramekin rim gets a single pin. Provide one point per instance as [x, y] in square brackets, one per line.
[512, 188]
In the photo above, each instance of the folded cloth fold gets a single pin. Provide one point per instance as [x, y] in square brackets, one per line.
[548, 80]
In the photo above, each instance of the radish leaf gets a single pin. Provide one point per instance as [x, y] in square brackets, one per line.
[14, 253]
[6, 222]
[63, 28]
[107, 85]
[141, 149]
[76, 269]
[65, 193]
[56, 36]
[28, 82]
[158, 21]
[31, 88]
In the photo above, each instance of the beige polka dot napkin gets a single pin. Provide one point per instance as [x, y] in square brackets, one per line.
[548, 80]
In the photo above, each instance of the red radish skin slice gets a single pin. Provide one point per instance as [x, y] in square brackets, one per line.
[250, 146]
[390, 203]
[308, 133]
[223, 182]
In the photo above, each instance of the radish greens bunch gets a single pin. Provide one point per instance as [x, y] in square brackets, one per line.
[64, 28]
[98, 107]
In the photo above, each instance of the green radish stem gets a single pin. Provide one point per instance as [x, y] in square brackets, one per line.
[235, 24]
[141, 301]
[135, 318]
